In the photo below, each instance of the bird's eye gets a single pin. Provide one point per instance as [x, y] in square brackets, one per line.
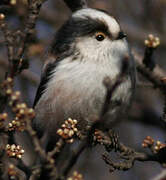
[100, 36]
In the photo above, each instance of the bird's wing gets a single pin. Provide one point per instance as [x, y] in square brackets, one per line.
[45, 77]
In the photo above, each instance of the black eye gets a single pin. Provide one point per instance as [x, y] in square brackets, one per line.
[100, 36]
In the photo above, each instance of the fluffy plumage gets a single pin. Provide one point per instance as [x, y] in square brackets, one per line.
[72, 81]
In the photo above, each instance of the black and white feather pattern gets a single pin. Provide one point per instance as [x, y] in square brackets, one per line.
[72, 84]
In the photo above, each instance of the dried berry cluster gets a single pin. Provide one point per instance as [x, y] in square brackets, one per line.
[99, 137]
[68, 130]
[151, 44]
[13, 2]
[152, 41]
[150, 143]
[2, 16]
[14, 151]
[76, 176]
[12, 172]
[22, 112]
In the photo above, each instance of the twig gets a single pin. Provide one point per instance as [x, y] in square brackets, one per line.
[33, 12]
[132, 157]
[127, 153]
[9, 40]
[46, 158]
[152, 77]
[151, 44]
[35, 173]
[126, 164]
[25, 114]
[164, 111]
[157, 78]
[26, 74]
[74, 157]
[15, 54]
[148, 58]
[58, 147]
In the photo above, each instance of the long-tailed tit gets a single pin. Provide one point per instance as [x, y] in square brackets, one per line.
[87, 48]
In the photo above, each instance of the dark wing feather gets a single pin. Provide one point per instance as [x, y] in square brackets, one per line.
[44, 80]
[46, 76]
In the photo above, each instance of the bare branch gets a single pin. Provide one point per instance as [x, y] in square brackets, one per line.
[74, 157]
[127, 153]
[26, 74]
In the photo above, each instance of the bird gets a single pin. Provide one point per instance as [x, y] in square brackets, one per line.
[88, 47]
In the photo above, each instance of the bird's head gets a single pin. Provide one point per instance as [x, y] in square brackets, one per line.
[93, 35]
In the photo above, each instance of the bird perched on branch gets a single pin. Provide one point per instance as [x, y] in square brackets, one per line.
[87, 48]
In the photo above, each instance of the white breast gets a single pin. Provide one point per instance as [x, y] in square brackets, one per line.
[74, 84]
[76, 90]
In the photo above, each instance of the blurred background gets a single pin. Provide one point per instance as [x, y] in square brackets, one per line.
[137, 19]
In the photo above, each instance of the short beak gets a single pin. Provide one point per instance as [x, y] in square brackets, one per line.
[121, 35]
